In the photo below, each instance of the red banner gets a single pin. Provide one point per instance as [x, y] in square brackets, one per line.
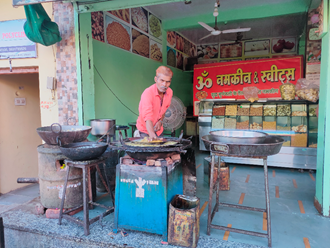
[227, 80]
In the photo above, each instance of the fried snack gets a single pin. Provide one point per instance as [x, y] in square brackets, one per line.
[97, 26]
[270, 110]
[146, 140]
[299, 140]
[299, 113]
[300, 129]
[171, 37]
[283, 110]
[256, 111]
[219, 110]
[156, 53]
[242, 125]
[218, 123]
[255, 126]
[141, 46]
[309, 94]
[230, 123]
[200, 95]
[288, 91]
[243, 110]
[118, 36]
[135, 33]
[269, 125]
[231, 110]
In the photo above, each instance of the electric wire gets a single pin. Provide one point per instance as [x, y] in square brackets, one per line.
[113, 92]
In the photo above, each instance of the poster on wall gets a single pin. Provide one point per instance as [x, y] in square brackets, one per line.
[193, 50]
[97, 25]
[26, 2]
[13, 41]
[140, 18]
[313, 52]
[122, 14]
[284, 45]
[171, 39]
[256, 47]
[254, 58]
[117, 34]
[231, 50]
[179, 42]
[140, 43]
[208, 51]
[227, 80]
[156, 51]
[155, 26]
[179, 60]
[171, 57]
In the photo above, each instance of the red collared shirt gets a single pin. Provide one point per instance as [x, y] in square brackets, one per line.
[150, 107]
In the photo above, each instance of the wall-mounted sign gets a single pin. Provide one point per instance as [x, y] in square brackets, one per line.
[26, 2]
[227, 80]
[13, 41]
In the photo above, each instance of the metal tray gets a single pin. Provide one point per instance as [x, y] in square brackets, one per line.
[239, 137]
[271, 146]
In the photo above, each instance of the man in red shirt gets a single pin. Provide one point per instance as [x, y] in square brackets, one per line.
[154, 102]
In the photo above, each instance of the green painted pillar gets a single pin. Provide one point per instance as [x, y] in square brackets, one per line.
[322, 195]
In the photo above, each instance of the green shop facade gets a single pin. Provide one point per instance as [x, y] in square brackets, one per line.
[110, 80]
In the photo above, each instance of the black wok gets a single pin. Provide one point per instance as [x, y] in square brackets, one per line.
[84, 150]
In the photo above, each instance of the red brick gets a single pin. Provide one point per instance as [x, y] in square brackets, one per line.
[169, 161]
[176, 157]
[150, 162]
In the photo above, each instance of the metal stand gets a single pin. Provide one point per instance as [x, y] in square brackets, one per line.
[85, 166]
[216, 207]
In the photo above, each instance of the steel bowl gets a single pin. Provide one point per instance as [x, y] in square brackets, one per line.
[238, 137]
[66, 134]
[102, 126]
[84, 150]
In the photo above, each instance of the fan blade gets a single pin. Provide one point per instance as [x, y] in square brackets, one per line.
[205, 36]
[206, 26]
[236, 30]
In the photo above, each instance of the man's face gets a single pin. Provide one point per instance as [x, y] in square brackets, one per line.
[163, 82]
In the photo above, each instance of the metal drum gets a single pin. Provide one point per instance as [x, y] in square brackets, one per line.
[52, 175]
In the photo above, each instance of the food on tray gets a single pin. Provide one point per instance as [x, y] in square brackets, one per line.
[218, 123]
[299, 140]
[281, 128]
[141, 46]
[155, 26]
[118, 36]
[243, 110]
[146, 140]
[256, 110]
[121, 13]
[313, 145]
[312, 112]
[200, 95]
[270, 110]
[242, 125]
[308, 94]
[299, 113]
[287, 143]
[230, 123]
[140, 19]
[300, 129]
[231, 109]
[219, 110]
[97, 26]
[283, 110]
[156, 53]
[288, 91]
[135, 33]
[255, 126]
[171, 59]
[269, 125]
[171, 37]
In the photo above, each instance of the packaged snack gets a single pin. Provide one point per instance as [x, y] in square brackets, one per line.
[283, 110]
[307, 90]
[251, 93]
[288, 91]
[231, 110]
[270, 110]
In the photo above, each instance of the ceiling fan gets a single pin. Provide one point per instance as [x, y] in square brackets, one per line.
[215, 30]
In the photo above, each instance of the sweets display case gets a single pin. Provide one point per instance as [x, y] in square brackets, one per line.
[295, 121]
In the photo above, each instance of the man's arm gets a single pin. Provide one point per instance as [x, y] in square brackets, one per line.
[159, 123]
[150, 129]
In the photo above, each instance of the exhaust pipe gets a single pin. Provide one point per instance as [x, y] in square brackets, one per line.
[27, 180]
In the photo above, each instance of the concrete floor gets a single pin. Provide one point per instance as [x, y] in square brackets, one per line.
[295, 221]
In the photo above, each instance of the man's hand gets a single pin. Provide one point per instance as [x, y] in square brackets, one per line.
[152, 137]
[158, 126]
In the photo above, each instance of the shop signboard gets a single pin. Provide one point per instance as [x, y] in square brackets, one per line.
[27, 2]
[13, 41]
[227, 80]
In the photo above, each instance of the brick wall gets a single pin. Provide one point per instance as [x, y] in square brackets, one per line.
[66, 70]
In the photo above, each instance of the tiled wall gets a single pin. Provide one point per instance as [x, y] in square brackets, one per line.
[66, 70]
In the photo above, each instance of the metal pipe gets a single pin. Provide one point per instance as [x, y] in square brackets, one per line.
[28, 180]
[269, 233]
[2, 234]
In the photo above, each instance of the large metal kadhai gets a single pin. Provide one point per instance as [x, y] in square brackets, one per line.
[270, 146]
[144, 153]
[66, 134]
[84, 150]
[239, 137]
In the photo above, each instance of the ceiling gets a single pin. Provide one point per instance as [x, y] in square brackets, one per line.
[276, 21]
